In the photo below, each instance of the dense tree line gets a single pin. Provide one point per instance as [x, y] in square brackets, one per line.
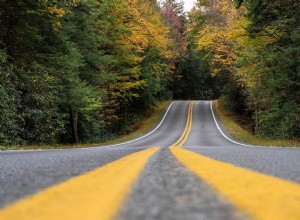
[252, 47]
[71, 70]
[192, 76]
[84, 71]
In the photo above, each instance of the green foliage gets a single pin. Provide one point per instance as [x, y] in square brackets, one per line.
[38, 106]
[82, 71]
[9, 102]
[35, 103]
[254, 53]
[274, 30]
[72, 70]
[256, 58]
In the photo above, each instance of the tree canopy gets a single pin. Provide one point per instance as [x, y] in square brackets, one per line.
[83, 71]
[254, 46]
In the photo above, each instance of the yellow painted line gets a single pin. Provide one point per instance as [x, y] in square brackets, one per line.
[187, 128]
[261, 196]
[95, 195]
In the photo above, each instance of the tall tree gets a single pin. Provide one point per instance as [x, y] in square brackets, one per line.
[274, 44]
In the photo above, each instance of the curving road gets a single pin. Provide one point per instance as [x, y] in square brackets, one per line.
[168, 187]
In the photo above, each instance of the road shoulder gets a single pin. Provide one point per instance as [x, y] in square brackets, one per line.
[232, 129]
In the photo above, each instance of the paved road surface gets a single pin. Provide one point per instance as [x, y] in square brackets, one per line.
[185, 181]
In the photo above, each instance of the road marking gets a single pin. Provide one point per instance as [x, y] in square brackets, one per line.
[235, 142]
[224, 135]
[104, 146]
[97, 194]
[261, 196]
[189, 127]
[182, 139]
[146, 135]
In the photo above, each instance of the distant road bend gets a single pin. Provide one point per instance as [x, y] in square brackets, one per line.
[188, 168]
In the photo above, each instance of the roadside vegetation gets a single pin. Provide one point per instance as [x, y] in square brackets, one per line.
[85, 71]
[252, 47]
[140, 127]
[241, 131]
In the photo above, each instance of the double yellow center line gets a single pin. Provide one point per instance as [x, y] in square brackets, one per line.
[187, 128]
[94, 195]
[97, 194]
[258, 195]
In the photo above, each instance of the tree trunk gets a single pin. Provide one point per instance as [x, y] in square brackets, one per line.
[74, 124]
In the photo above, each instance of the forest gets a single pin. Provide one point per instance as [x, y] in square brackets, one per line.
[82, 71]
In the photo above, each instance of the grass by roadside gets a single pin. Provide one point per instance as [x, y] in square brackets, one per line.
[232, 125]
[141, 128]
[144, 126]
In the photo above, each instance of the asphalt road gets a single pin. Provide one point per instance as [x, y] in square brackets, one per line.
[165, 189]
[207, 140]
